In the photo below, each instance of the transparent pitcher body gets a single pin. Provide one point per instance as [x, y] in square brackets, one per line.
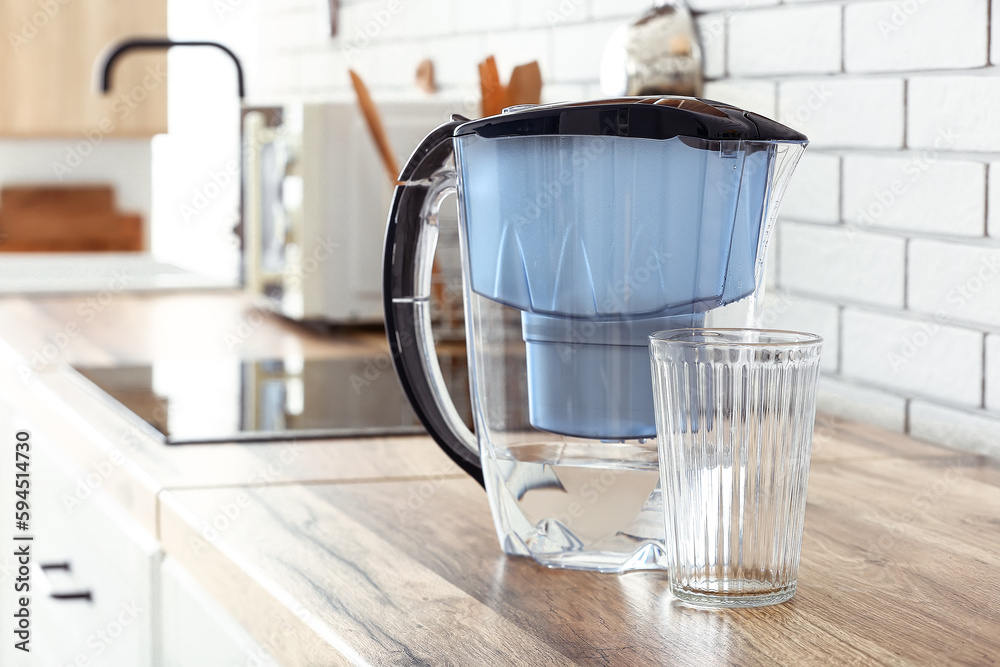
[575, 250]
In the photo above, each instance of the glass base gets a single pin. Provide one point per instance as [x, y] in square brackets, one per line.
[706, 599]
[650, 557]
[575, 506]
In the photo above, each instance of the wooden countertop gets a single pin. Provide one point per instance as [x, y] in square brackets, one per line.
[379, 551]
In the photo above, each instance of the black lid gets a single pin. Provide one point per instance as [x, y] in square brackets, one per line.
[659, 117]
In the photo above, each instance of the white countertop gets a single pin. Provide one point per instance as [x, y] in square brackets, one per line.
[73, 273]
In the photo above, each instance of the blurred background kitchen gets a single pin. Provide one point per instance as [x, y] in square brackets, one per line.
[889, 238]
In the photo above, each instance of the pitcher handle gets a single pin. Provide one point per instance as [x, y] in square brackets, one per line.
[410, 241]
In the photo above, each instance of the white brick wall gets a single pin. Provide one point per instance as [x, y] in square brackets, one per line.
[957, 281]
[915, 191]
[934, 34]
[712, 29]
[993, 206]
[891, 217]
[481, 15]
[533, 13]
[954, 112]
[975, 431]
[842, 265]
[993, 373]
[814, 193]
[853, 401]
[995, 28]
[746, 93]
[570, 62]
[855, 112]
[806, 40]
[612, 8]
[734, 5]
[910, 355]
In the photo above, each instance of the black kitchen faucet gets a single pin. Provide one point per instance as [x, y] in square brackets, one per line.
[151, 43]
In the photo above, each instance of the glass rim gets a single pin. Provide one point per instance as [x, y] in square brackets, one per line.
[783, 338]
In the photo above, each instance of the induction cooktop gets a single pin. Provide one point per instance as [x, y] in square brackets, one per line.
[291, 398]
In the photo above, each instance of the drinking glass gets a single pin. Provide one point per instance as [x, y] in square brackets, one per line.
[734, 412]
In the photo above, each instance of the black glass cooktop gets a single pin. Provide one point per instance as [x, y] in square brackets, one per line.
[189, 402]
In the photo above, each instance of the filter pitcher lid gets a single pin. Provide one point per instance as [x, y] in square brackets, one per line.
[658, 117]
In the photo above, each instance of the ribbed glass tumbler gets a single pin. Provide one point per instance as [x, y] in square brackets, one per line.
[735, 410]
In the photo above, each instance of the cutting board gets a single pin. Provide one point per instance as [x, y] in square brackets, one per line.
[47, 218]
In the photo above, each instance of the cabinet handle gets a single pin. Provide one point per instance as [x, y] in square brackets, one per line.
[55, 566]
[65, 567]
[81, 595]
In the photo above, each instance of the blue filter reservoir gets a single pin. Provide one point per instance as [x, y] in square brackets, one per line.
[601, 240]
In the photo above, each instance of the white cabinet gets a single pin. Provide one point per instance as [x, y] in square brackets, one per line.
[103, 595]
[197, 631]
[95, 571]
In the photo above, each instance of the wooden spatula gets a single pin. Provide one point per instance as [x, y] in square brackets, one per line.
[494, 93]
[375, 127]
[525, 85]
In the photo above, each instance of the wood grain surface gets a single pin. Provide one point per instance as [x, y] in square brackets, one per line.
[139, 328]
[124, 327]
[78, 218]
[378, 552]
[900, 566]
